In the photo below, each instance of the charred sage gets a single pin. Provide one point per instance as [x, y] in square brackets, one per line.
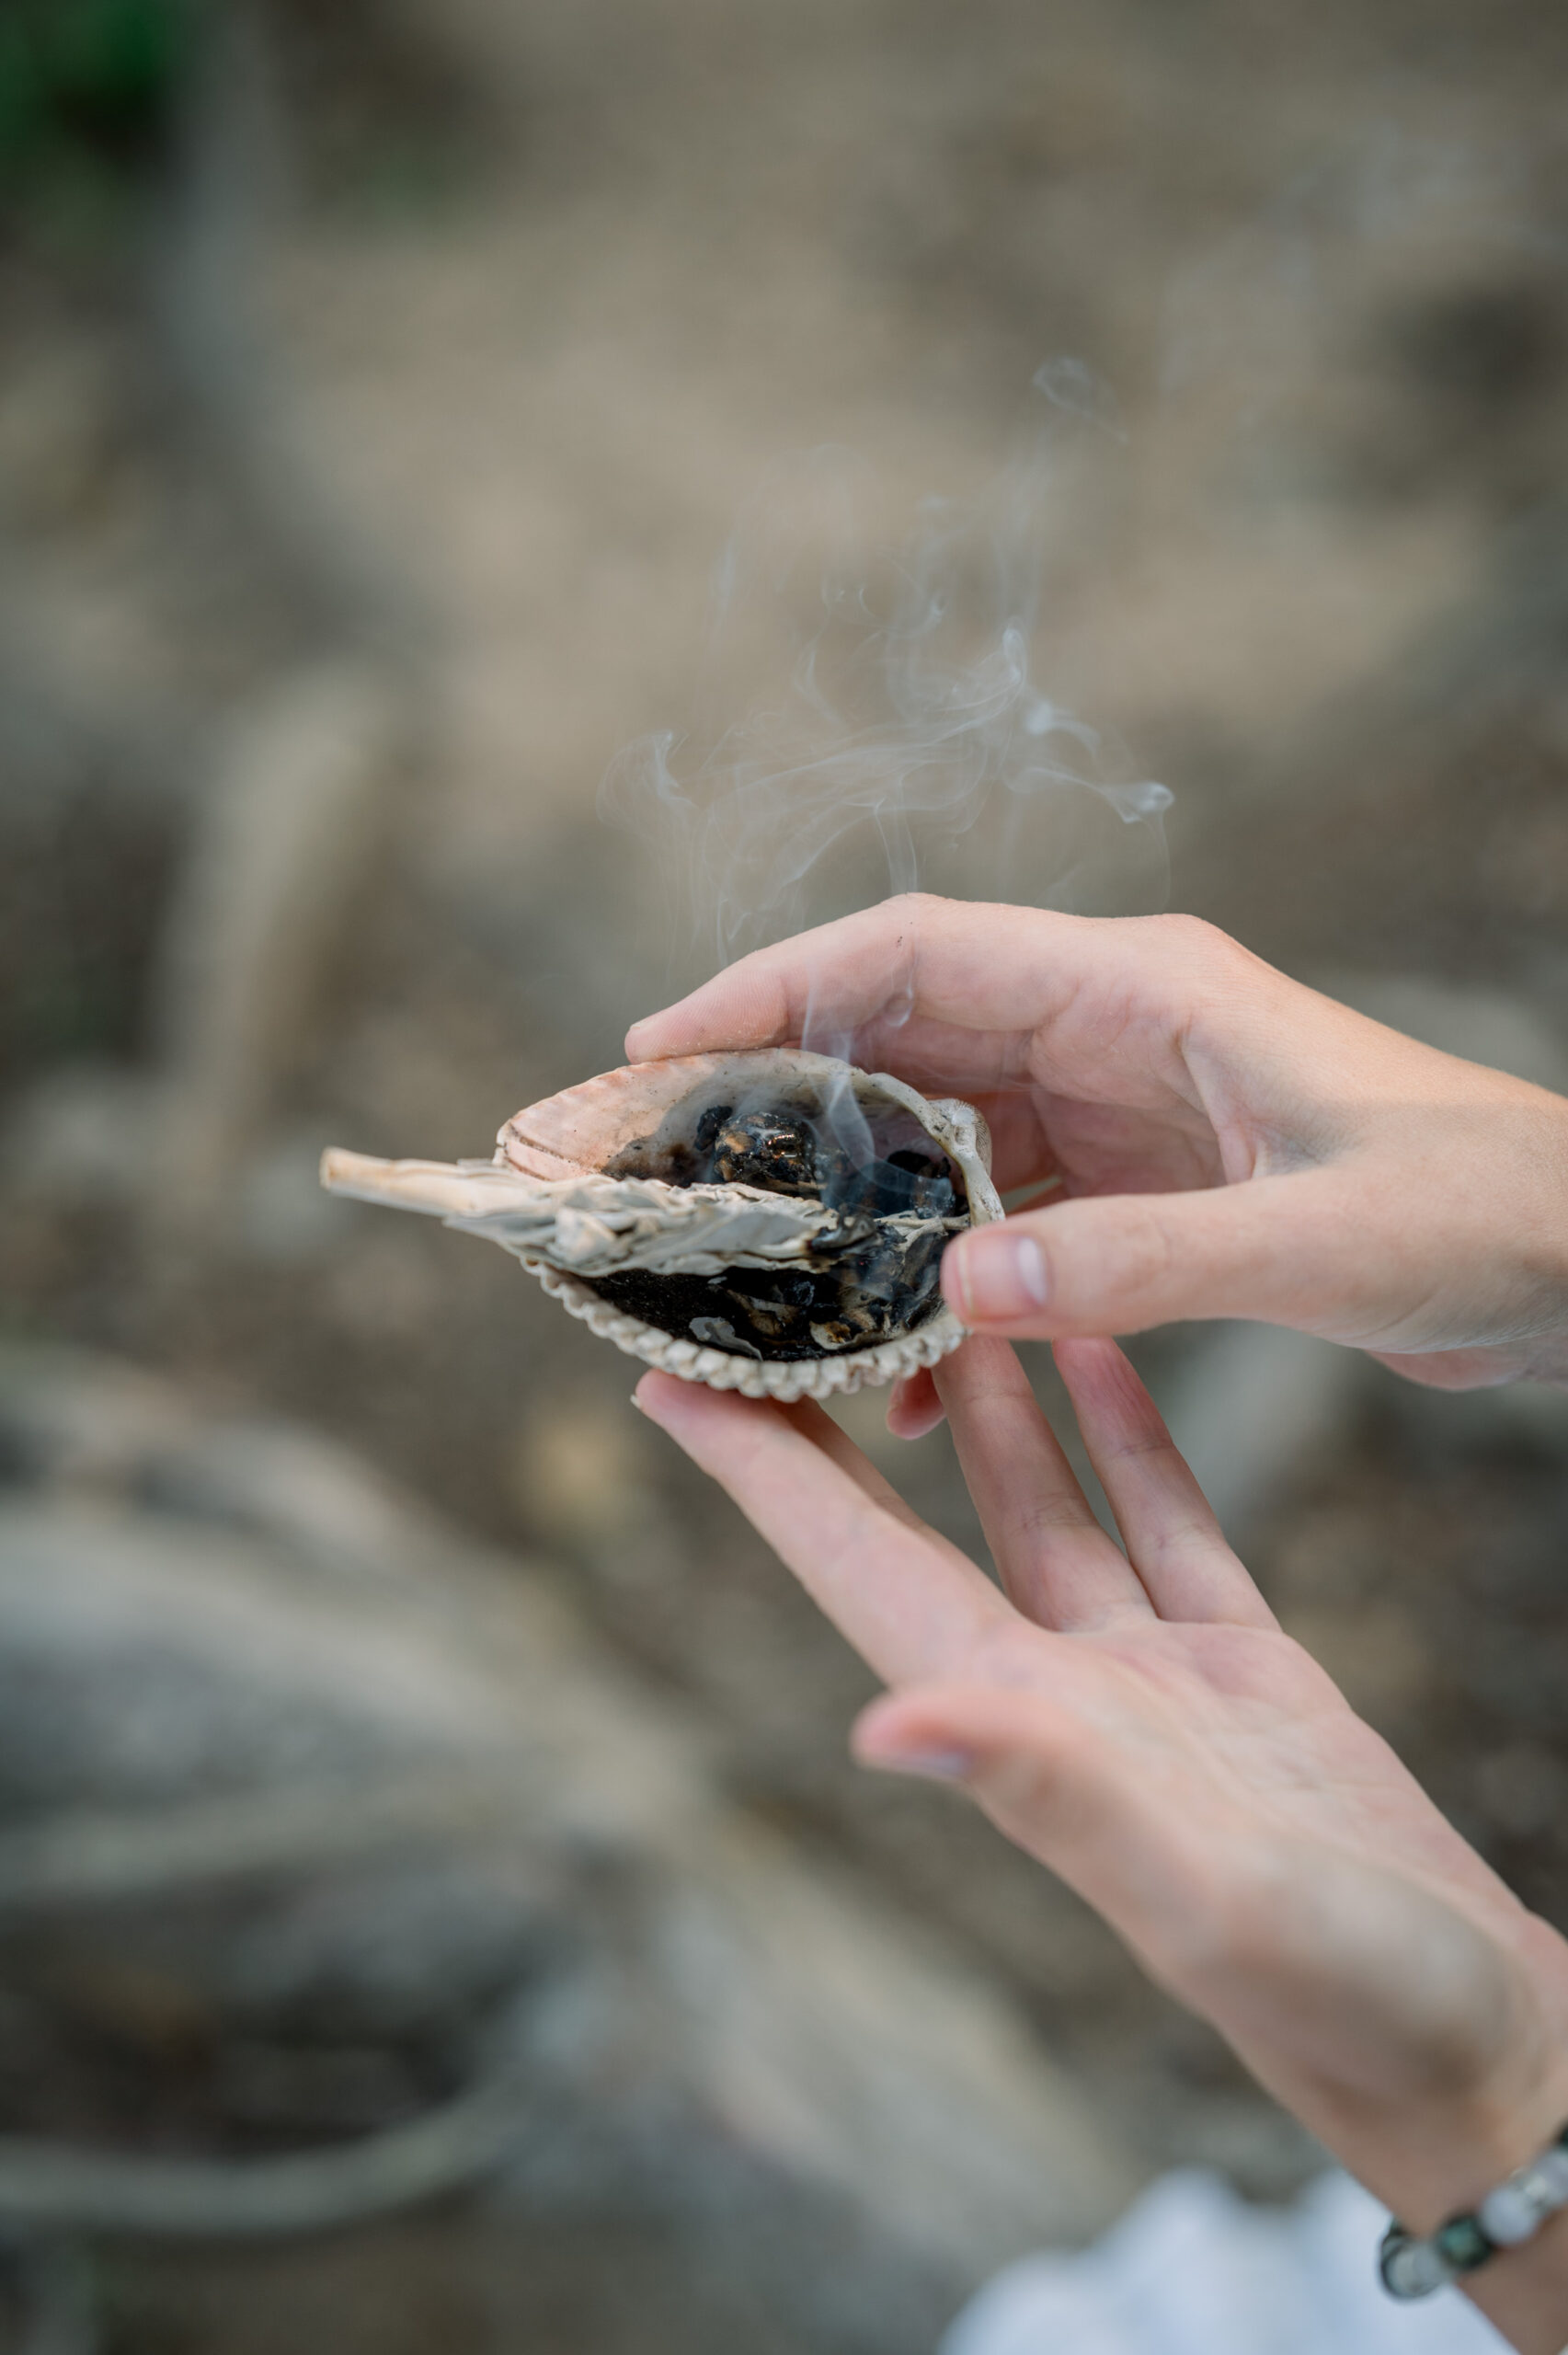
[770, 1222]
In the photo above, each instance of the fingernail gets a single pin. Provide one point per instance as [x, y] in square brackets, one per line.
[999, 1276]
[942, 1766]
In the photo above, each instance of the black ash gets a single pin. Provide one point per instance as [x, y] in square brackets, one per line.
[875, 1274]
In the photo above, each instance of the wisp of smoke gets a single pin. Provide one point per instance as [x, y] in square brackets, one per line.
[869, 720]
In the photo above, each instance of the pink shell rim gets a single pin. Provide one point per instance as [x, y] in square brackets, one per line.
[597, 1115]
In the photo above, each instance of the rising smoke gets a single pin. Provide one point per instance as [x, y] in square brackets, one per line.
[869, 719]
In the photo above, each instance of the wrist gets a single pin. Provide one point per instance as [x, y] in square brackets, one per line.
[1521, 2288]
[1524, 2289]
[1442, 2160]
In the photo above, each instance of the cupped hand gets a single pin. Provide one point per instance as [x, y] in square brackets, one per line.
[1223, 1141]
[1141, 1724]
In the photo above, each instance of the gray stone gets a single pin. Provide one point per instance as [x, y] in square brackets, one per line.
[281, 1739]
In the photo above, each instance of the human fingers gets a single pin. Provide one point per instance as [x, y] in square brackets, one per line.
[1307, 1953]
[908, 1601]
[914, 1408]
[1326, 1969]
[1172, 1538]
[1083, 1787]
[814, 1423]
[953, 969]
[908, 956]
[1295, 1249]
[1472, 1369]
[1055, 1561]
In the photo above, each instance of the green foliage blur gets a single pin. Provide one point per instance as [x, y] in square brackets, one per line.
[87, 90]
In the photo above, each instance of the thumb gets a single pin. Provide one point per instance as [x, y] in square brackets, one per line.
[1050, 1779]
[1011, 1748]
[1290, 1250]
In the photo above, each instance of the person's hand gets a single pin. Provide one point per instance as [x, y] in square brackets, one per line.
[1226, 1141]
[1141, 1724]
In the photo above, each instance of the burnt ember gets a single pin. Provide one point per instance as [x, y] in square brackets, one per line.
[760, 1149]
[786, 1152]
[808, 1312]
[873, 1276]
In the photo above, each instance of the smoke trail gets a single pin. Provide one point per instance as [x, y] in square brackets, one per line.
[868, 720]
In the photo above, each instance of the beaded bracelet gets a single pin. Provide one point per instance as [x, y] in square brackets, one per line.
[1506, 2218]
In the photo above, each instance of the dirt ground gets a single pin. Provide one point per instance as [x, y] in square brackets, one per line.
[410, 366]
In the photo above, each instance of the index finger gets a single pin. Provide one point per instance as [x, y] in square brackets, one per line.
[1099, 1009]
[911, 1605]
[934, 966]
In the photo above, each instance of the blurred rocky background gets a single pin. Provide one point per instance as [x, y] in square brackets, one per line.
[437, 1909]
